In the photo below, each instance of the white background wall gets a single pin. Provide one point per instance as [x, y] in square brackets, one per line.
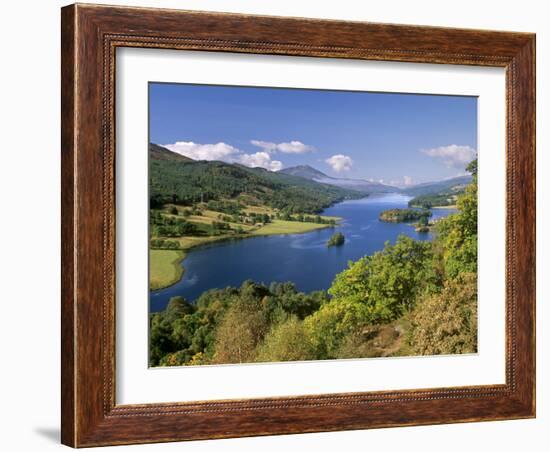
[29, 125]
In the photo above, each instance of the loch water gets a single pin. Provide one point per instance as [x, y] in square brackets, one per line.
[303, 259]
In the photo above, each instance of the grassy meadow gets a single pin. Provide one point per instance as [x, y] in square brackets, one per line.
[165, 268]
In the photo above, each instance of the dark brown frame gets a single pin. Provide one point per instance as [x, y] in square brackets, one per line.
[90, 35]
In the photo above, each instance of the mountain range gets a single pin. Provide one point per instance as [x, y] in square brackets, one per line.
[429, 188]
[368, 187]
[360, 185]
[294, 174]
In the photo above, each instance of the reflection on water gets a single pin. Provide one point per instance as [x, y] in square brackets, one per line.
[304, 259]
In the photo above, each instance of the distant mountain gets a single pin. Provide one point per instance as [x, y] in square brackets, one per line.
[428, 188]
[360, 185]
[157, 152]
[305, 171]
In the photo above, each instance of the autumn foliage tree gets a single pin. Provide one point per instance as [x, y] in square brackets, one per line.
[287, 341]
[446, 322]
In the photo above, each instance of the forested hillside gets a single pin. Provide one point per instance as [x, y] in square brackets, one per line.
[157, 152]
[439, 194]
[186, 182]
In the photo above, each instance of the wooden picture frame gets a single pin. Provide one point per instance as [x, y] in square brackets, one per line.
[90, 36]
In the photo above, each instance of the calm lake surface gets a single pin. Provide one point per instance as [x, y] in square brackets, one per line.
[303, 259]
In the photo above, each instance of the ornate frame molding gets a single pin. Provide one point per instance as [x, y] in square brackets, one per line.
[90, 37]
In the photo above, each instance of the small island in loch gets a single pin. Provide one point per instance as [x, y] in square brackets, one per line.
[404, 215]
[337, 239]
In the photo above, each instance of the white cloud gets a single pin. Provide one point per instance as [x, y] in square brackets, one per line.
[261, 159]
[195, 151]
[295, 147]
[292, 147]
[267, 146]
[453, 156]
[340, 162]
[407, 181]
[225, 153]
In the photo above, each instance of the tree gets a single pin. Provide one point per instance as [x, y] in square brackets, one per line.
[160, 230]
[240, 331]
[287, 341]
[185, 227]
[161, 342]
[472, 168]
[177, 307]
[337, 239]
[423, 221]
[235, 338]
[446, 322]
[328, 328]
[387, 282]
[458, 233]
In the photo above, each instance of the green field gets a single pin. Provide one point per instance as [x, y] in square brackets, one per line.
[165, 268]
[450, 206]
[287, 227]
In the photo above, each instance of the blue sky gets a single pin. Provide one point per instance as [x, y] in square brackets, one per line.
[400, 139]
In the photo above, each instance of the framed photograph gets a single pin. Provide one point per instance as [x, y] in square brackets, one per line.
[282, 225]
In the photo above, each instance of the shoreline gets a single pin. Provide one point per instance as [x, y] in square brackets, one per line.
[415, 206]
[198, 242]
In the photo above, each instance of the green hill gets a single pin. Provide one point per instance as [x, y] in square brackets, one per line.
[157, 152]
[430, 188]
[186, 182]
